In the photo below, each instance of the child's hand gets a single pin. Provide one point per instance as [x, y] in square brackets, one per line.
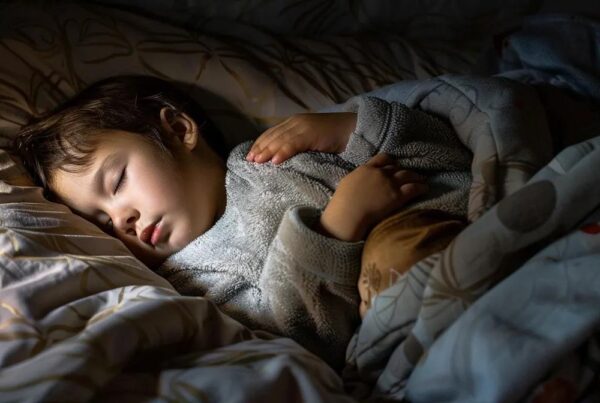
[366, 196]
[325, 132]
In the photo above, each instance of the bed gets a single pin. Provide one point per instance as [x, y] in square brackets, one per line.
[82, 319]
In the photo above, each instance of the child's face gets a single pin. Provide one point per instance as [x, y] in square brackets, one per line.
[156, 204]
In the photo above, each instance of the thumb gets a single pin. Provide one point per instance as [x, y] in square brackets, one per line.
[412, 190]
[379, 160]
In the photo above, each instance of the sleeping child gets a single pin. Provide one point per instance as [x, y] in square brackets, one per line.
[272, 233]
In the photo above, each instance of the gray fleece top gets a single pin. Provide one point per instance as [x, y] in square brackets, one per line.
[261, 262]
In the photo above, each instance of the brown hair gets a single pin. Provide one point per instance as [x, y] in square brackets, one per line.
[66, 137]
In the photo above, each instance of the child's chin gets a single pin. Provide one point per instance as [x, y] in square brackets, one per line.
[177, 243]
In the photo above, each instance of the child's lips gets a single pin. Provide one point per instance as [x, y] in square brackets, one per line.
[150, 234]
[155, 235]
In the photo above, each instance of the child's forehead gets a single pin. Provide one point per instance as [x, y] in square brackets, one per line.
[125, 142]
[101, 144]
[106, 146]
[110, 138]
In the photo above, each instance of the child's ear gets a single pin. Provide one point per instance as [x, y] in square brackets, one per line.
[181, 125]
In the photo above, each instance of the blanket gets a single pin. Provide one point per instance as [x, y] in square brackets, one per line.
[542, 320]
[503, 123]
[512, 302]
[507, 312]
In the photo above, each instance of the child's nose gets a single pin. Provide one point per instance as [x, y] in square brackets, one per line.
[126, 221]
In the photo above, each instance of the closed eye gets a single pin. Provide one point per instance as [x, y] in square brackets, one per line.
[109, 227]
[121, 181]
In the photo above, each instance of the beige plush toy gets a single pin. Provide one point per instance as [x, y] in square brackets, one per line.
[398, 242]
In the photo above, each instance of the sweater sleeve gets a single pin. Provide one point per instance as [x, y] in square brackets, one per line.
[310, 282]
[377, 126]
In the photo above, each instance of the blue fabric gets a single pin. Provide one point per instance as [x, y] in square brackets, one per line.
[526, 327]
[560, 50]
[438, 335]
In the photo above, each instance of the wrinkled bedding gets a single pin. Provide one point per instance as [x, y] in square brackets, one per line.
[507, 312]
[244, 76]
[97, 323]
[406, 320]
[510, 308]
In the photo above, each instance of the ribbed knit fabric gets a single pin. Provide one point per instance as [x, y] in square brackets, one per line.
[262, 264]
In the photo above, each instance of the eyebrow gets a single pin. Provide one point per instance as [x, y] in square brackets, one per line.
[109, 163]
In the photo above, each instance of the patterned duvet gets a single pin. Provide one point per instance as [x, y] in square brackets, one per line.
[508, 312]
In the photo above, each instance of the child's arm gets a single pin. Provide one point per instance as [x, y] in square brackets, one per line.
[353, 209]
[366, 196]
[310, 273]
[369, 126]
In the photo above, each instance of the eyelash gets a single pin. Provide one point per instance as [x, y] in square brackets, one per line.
[120, 182]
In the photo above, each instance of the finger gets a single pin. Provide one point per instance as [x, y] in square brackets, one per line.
[404, 176]
[265, 138]
[288, 131]
[285, 152]
[379, 160]
[412, 190]
[258, 144]
[392, 168]
[267, 153]
[260, 150]
[283, 148]
[264, 155]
